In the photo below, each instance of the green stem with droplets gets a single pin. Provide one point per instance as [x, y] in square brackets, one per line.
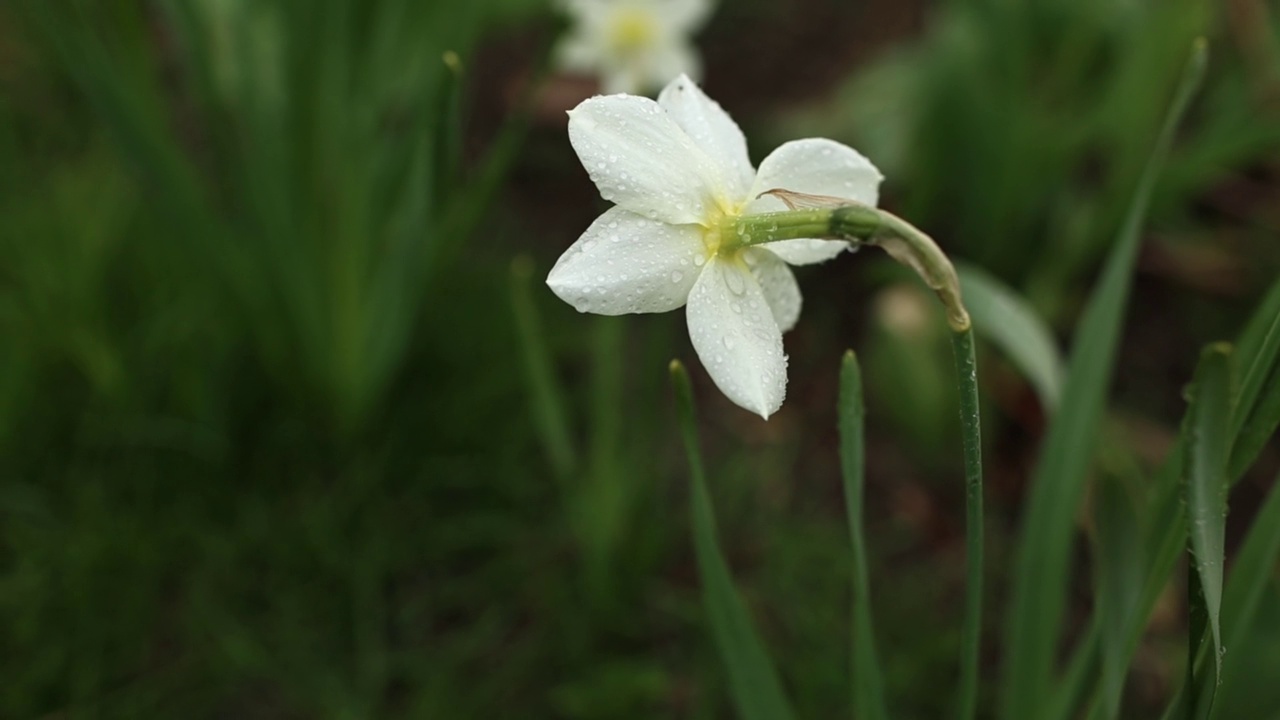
[860, 224]
[971, 428]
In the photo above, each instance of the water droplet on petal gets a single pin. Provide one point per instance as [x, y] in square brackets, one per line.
[735, 282]
[676, 276]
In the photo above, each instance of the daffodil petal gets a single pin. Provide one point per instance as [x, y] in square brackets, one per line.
[621, 78]
[815, 166]
[577, 53]
[686, 16]
[713, 130]
[736, 337]
[640, 159]
[626, 263]
[671, 58]
[806, 251]
[778, 285]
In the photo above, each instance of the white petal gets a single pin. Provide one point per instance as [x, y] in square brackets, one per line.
[669, 60]
[687, 15]
[621, 78]
[625, 263]
[778, 285]
[806, 251]
[577, 53]
[735, 336]
[816, 166]
[713, 130]
[640, 159]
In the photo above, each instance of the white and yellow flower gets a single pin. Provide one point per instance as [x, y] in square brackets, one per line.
[633, 46]
[678, 172]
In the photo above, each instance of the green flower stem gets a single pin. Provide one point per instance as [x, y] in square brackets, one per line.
[834, 219]
[971, 428]
[859, 224]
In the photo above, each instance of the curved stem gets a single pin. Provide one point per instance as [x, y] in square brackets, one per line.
[971, 428]
[839, 220]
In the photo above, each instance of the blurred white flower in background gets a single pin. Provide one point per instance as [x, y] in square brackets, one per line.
[633, 46]
[677, 170]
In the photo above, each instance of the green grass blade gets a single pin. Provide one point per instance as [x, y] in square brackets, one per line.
[1207, 449]
[547, 406]
[1251, 574]
[1120, 559]
[1166, 532]
[1257, 350]
[1004, 318]
[1081, 671]
[868, 682]
[1042, 563]
[753, 682]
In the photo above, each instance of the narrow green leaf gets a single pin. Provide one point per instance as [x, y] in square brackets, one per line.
[549, 417]
[1043, 558]
[1251, 574]
[753, 682]
[1004, 317]
[1256, 409]
[1258, 347]
[1252, 571]
[868, 682]
[1207, 449]
[1120, 559]
[448, 130]
[1079, 677]
[1166, 534]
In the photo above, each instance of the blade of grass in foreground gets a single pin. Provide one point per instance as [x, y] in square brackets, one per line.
[549, 416]
[1042, 564]
[868, 684]
[753, 681]
[1166, 532]
[1208, 447]
[1257, 408]
[1119, 560]
[1003, 317]
[1250, 575]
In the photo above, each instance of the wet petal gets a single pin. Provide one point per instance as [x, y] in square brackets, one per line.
[640, 159]
[736, 337]
[625, 263]
[713, 130]
[816, 166]
[806, 251]
[778, 285]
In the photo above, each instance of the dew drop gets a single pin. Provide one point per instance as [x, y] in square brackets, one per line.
[735, 283]
[676, 276]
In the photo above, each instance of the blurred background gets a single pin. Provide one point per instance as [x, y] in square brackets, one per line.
[290, 426]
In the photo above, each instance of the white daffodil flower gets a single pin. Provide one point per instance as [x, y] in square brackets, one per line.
[634, 46]
[678, 173]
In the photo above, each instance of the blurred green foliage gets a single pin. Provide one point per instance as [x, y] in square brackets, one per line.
[285, 433]
[1013, 130]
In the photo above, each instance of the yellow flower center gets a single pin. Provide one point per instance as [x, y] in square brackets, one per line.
[632, 30]
[721, 236]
